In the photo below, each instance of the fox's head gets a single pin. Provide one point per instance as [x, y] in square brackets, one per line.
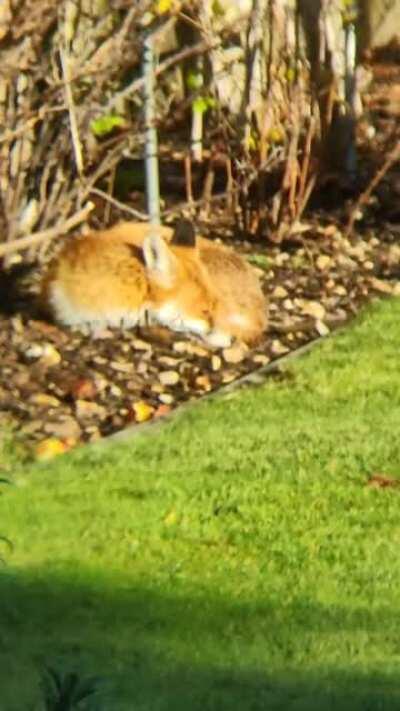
[181, 294]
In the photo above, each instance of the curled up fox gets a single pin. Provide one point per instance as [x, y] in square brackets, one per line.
[136, 273]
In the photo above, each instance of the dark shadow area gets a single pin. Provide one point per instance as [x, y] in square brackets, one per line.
[150, 647]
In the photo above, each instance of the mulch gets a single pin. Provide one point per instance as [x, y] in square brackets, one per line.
[61, 386]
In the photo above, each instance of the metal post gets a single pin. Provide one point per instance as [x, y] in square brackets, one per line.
[151, 143]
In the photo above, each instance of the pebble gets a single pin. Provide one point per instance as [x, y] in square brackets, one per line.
[142, 367]
[229, 376]
[288, 304]
[87, 410]
[190, 348]
[203, 382]
[116, 391]
[121, 367]
[216, 363]
[166, 398]
[261, 359]
[34, 351]
[44, 400]
[314, 309]
[169, 377]
[321, 328]
[323, 262]
[168, 361]
[50, 356]
[64, 429]
[234, 354]
[278, 348]
[280, 292]
[140, 345]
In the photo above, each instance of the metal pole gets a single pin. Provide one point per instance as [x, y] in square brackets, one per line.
[151, 143]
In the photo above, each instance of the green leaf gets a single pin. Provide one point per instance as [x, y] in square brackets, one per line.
[202, 103]
[194, 80]
[217, 9]
[105, 124]
[259, 260]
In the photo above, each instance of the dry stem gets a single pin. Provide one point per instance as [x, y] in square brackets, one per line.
[364, 197]
[36, 238]
[120, 205]
[65, 64]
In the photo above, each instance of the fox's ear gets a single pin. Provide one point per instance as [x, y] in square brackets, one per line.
[184, 234]
[159, 260]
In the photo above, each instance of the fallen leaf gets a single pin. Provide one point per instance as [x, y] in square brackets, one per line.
[142, 411]
[381, 481]
[44, 400]
[162, 410]
[83, 389]
[49, 448]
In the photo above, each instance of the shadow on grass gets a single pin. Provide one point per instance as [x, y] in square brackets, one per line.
[158, 651]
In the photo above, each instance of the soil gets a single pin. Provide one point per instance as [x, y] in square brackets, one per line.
[59, 386]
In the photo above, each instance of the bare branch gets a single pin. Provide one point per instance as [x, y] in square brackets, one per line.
[65, 64]
[120, 205]
[36, 238]
[393, 156]
[138, 84]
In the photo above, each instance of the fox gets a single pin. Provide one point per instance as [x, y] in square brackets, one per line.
[136, 274]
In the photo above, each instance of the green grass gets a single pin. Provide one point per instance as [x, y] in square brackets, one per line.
[233, 561]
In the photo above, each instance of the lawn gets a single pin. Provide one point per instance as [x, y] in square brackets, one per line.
[234, 560]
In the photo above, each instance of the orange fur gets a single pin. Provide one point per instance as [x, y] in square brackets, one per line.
[129, 274]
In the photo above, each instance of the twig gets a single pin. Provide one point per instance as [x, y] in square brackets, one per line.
[208, 186]
[120, 205]
[9, 136]
[188, 178]
[306, 159]
[196, 203]
[37, 237]
[137, 85]
[364, 197]
[108, 162]
[65, 64]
